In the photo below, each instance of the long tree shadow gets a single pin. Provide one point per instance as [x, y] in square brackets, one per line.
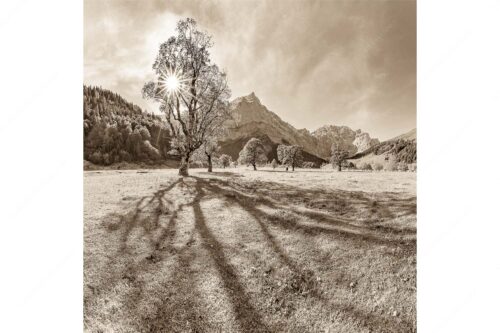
[325, 224]
[301, 283]
[256, 199]
[144, 216]
[246, 315]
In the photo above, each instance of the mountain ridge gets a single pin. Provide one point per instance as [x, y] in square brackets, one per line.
[249, 115]
[107, 113]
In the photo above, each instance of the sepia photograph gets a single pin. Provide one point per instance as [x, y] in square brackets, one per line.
[249, 166]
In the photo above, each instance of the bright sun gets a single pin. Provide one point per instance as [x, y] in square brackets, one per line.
[172, 83]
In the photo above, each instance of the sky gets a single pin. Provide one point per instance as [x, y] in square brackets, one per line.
[313, 63]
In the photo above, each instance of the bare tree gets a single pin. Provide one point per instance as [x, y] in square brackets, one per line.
[192, 91]
[339, 154]
[253, 153]
[290, 155]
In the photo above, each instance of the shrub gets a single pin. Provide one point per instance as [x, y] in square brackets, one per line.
[125, 156]
[392, 164]
[96, 157]
[274, 164]
[225, 160]
[412, 167]
[106, 159]
[366, 166]
[402, 166]
[378, 166]
[151, 152]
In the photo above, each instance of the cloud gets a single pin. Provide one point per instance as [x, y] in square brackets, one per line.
[312, 62]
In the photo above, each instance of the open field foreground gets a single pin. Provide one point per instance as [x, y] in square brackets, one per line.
[250, 251]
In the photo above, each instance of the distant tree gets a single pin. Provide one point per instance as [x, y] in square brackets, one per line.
[274, 164]
[206, 152]
[378, 167]
[392, 164]
[402, 166]
[290, 155]
[351, 165]
[366, 166]
[253, 153]
[150, 151]
[144, 133]
[192, 91]
[225, 160]
[339, 155]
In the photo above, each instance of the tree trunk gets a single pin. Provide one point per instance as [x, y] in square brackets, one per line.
[254, 166]
[209, 157]
[293, 167]
[183, 169]
[339, 167]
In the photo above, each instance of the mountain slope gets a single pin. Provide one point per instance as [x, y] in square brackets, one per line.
[411, 135]
[402, 148]
[252, 119]
[118, 131]
[356, 141]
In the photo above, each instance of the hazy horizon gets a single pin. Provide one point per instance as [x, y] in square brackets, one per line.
[313, 64]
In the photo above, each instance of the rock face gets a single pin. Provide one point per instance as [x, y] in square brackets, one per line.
[252, 119]
[402, 148]
[356, 141]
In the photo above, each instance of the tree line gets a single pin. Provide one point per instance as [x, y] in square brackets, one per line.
[118, 131]
[193, 95]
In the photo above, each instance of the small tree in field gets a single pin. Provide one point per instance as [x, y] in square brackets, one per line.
[402, 166]
[225, 160]
[274, 164]
[192, 91]
[392, 164]
[253, 153]
[366, 166]
[290, 155]
[207, 152]
[339, 155]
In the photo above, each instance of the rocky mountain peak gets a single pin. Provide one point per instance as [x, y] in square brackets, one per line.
[248, 99]
[250, 118]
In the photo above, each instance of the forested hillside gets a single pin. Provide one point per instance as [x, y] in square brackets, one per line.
[118, 131]
[403, 150]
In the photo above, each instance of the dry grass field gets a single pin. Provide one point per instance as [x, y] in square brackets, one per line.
[250, 251]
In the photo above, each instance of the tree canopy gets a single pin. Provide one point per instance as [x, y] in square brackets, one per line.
[192, 91]
[339, 154]
[290, 155]
[253, 153]
[118, 131]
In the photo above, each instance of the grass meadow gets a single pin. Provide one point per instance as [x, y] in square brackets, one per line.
[238, 250]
